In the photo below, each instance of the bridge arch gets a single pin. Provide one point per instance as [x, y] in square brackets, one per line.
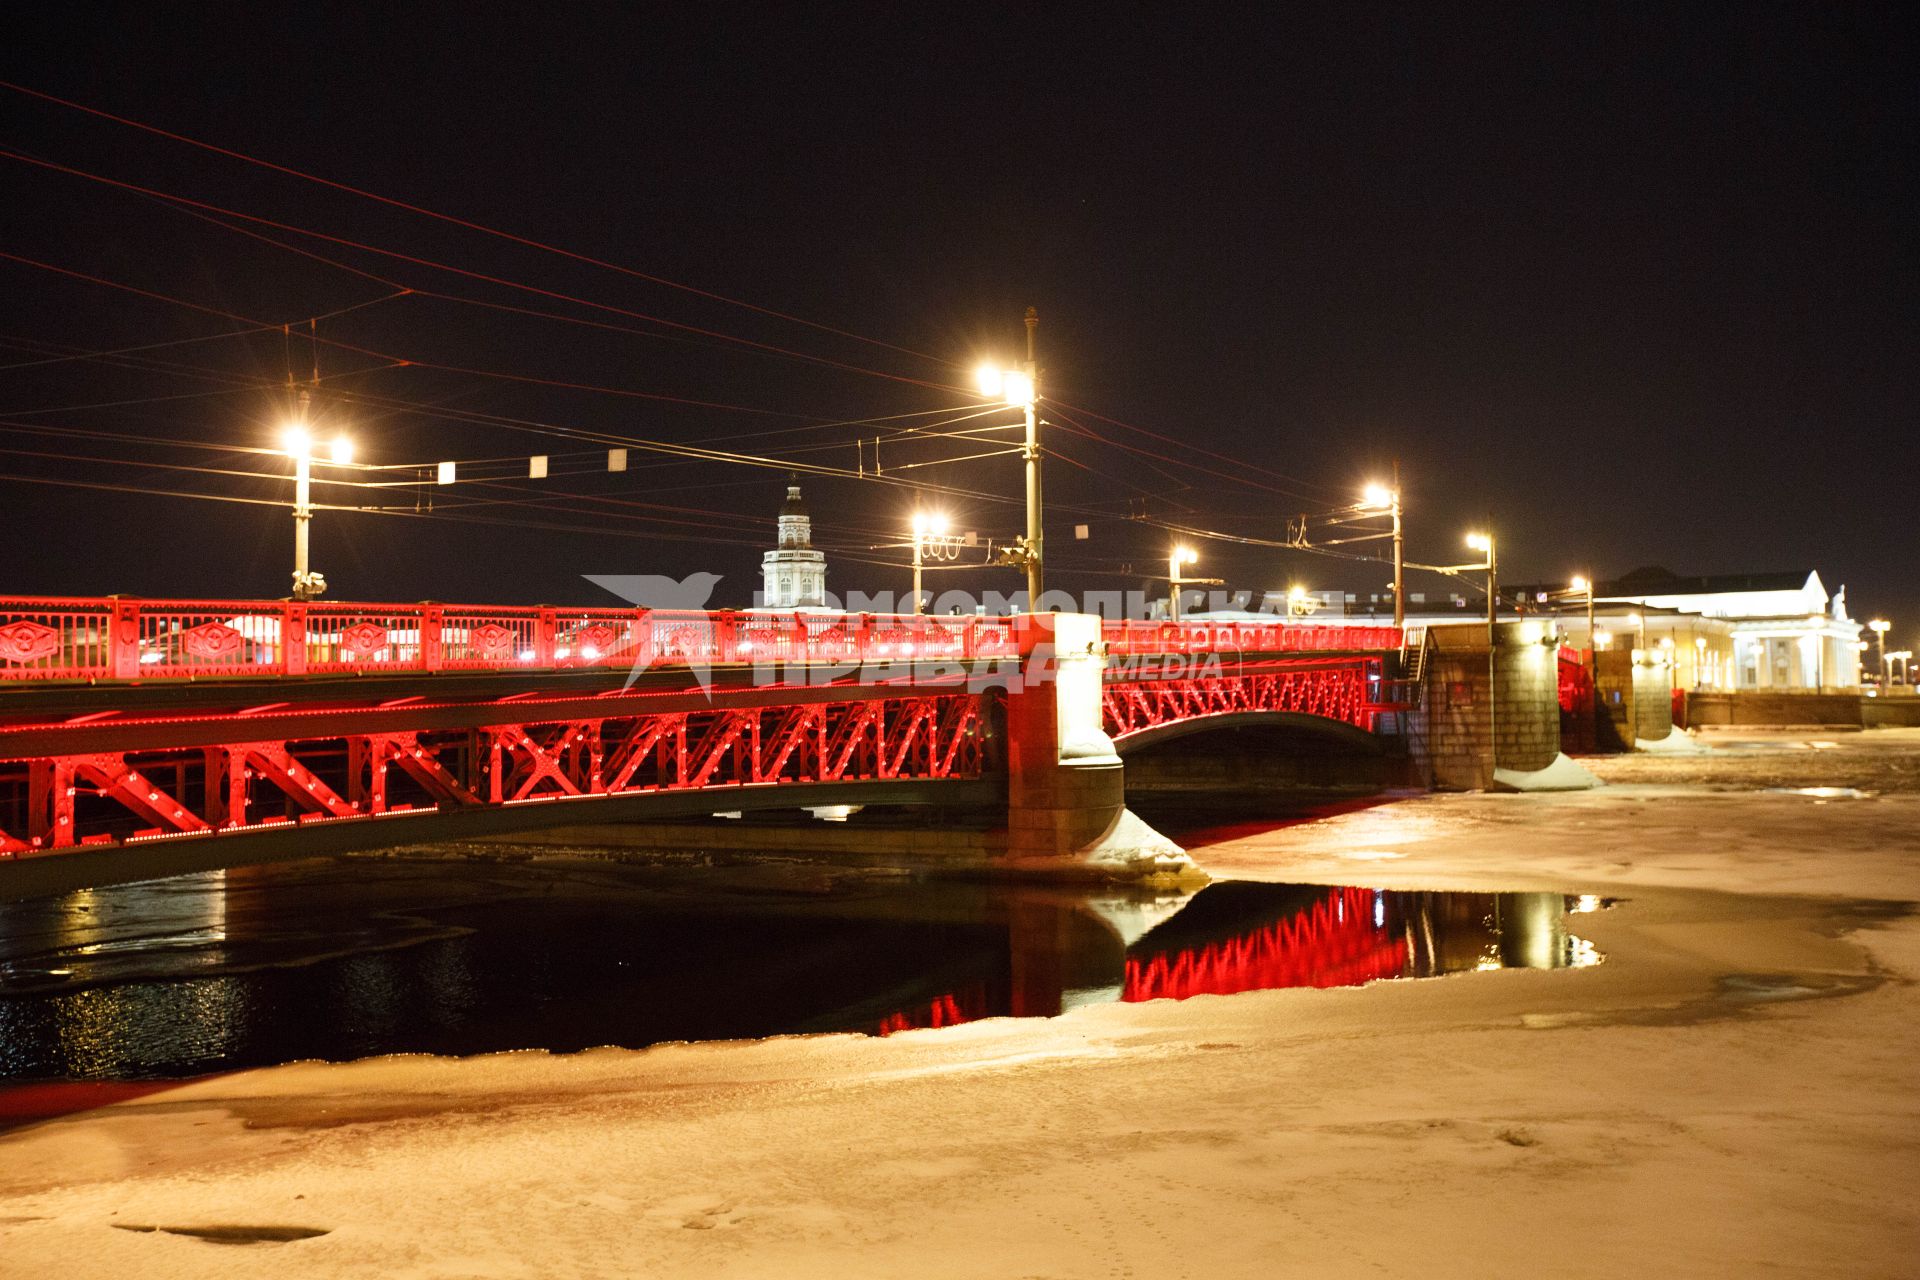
[1322, 728]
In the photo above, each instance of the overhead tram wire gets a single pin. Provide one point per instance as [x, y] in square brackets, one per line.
[187, 201]
[696, 337]
[184, 201]
[1077, 428]
[150, 346]
[397, 403]
[1069, 423]
[462, 222]
[404, 361]
[1311, 484]
[684, 451]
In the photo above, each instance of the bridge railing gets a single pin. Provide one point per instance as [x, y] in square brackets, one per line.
[1275, 636]
[120, 638]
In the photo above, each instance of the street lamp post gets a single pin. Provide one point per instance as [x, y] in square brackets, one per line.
[307, 584]
[1175, 580]
[1880, 627]
[1180, 556]
[1484, 542]
[1584, 585]
[1377, 496]
[1021, 388]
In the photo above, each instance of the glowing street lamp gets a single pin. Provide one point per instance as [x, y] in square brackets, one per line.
[298, 443]
[1880, 627]
[1020, 388]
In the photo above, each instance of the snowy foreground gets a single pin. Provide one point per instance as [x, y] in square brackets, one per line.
[1731, 1094]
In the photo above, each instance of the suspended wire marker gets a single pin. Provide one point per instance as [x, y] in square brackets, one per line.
[616, 459]
[537, 467]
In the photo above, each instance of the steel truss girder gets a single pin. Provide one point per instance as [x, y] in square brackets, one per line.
[52, 803]
[1336, 691]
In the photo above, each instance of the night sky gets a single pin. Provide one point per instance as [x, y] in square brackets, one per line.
[1637, 281]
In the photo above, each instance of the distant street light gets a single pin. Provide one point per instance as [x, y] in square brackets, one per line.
[1021, 389]
[1483, 542]
[307, 584]
[1584, 585]
[1880, 627]
[1180, 556]
[928, 530]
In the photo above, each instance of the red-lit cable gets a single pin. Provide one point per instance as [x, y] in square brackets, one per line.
[462, 222]
[168, 197]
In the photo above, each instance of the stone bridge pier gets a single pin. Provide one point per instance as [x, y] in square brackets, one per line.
[1066, 786]
[1489, 714]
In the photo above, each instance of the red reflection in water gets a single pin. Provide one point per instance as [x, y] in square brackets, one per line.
[31, 1103]
[1221, 833]
[1333, 943]
[944, 1011]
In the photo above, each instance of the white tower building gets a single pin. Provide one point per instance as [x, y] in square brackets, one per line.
[794, 575]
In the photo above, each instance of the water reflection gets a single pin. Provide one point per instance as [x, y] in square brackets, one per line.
[342, 958]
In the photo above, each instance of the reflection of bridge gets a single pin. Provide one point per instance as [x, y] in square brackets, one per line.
[132, 731]
[1246, 936]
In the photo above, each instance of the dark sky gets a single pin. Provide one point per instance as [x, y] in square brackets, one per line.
[1637, 281]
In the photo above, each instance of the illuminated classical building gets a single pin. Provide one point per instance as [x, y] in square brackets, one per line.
[1787, 632]
[794, 575]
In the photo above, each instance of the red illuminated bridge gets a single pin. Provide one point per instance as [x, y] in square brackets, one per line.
[249, 729]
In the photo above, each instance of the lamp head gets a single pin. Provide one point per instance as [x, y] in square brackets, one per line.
[1377, 496]
[989, 379]
[1017, 388]
[1580, 584]
[295, 440]
[1479, 542]
[342, 451]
